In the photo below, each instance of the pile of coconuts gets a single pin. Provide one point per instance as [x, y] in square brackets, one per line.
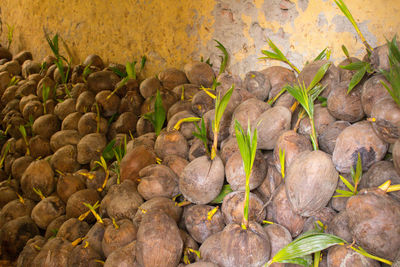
[157, 206]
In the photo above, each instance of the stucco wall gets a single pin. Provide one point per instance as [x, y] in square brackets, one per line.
[171, 32]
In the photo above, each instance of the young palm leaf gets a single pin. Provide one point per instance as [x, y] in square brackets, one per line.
[157, 117]
[348, 15]
[224, 59]
[277, 55]
[247, 146]
[393, 75]
[356, 177]
[220, 106]
[201, 134]
[345, 52]
[226, 189]
[361, 68]
[325, 54]
[10, 35]
[306, 97]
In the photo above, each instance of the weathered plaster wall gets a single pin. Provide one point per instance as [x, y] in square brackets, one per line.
[170, 32]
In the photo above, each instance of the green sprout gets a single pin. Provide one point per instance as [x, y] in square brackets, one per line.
[118, 152]
[10, 35]
[346, 52]
[226, 189]
[14, 80]
[224, 59]
[393, 75]
[348, 15]
[45, 96]
[276, 54]
[361, 69]
[98, 117]
[129, 74]
[306, 97]
[272, 100]
[282, 161]
[201, 133]
[92, 209]
[38, 192]
[102, 163]
[54, 45]
[157, 117]
[4, 154]
[299, 250]
[207, 61]
[356, 177]
[325, 54]
[86, 72]
[22, 130]
[247, 146]
[220, 106]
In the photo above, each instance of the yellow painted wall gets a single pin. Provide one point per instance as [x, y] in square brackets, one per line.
[173, 32]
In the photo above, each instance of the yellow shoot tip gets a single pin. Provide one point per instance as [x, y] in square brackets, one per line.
[209, 93]
[385, 186]
[86, 244]
[20, 198]
[211, 213]
[267, 222]
[158, 160]
[88, 175]
[116, 226]
[371, 119]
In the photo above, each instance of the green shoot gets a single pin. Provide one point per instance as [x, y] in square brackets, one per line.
[346, 52]
[323, 100]
[356, 177]
[92, 209]
[306, 97]
[393, 75]
[157, 117]
[39, 193]
[119, 86]
[59, 61]
[22, 130]
[247, 146]
[188, 119]
[282, 161]
[298, 251]
[119, 72]
[220, 106]
[201, 134]
[361, 68]
[10, 35]
[226, 189]
[98, 118]
[348, 15]
[277, 55]
[55, 232]
[4, 154]
[142, 63]
[130, 70]
[224, 59]
[102, 163]
[86, 72]
[325, 54]
[45, 96]
[14, 80]
[272, 100]
[186, 252]
[207, 61]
